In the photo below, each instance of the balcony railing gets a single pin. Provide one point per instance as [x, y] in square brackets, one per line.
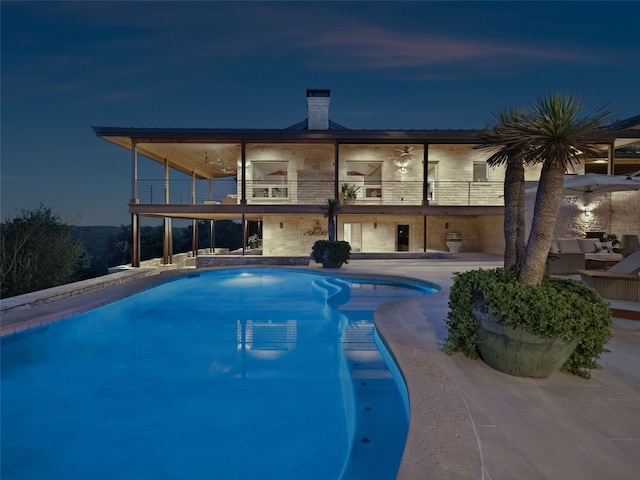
[444, 193]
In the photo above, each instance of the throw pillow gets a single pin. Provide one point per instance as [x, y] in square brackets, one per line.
[569, 245]
[587, 245]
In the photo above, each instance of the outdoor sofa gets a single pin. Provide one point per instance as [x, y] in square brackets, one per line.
[620, 282]
[568, 255]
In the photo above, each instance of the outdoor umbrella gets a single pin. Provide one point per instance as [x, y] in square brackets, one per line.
[597, 183]
[594, 183]
[634, 176]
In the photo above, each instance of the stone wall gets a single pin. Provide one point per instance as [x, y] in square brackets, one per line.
[204, 261]
[616, 212]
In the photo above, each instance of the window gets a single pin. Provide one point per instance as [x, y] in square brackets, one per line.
[480, 172]
[367, 176]
[432, 177]
[270, 179]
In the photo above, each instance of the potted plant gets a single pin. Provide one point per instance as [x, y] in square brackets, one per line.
[350, 191]
[524, 331]
[612, 244]
[331, 253]
[254, 241]
[516, 317]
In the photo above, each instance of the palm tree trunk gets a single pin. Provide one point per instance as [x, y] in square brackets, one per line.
[514, 223]
[543, 225]
[331, 227]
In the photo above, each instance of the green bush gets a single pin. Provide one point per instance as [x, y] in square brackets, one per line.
[337, 251]
[559, 308]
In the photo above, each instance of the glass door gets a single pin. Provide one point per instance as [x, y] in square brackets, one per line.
[402, 238]
[352, 233]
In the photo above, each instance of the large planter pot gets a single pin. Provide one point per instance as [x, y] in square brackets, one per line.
[454, 242]
[331, 263]
[517, 352]
[331, 253]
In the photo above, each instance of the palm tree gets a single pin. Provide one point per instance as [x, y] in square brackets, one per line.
[555, 132]
[514, 186]
[330, 211]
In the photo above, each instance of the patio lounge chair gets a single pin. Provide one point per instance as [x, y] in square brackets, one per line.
[620, 282]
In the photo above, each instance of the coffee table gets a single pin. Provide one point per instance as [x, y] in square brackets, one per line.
[603, 262]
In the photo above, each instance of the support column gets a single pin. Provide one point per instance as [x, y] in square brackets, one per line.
[243, 183]
[336, 173]
[424, 234]
[134, 172]
[244, 234]
[194, 222]
[135, 240]
[167, 242]
[194, 237]
[167, 249]
[425, 191]
[212, 236]
[425, 174]
[612, 159]
[135, 220]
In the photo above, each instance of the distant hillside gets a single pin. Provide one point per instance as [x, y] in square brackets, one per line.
[95, 238]
[96, 242]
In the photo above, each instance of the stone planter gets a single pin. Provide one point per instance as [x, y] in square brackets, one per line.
[516, 352]
[454, 242]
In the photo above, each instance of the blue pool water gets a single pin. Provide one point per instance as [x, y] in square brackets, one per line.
[233, 374]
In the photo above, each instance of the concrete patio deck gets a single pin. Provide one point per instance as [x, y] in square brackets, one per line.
[469, 421]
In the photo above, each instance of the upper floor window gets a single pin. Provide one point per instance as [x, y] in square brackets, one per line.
[367, 176]
[270, 179]
[480, 172]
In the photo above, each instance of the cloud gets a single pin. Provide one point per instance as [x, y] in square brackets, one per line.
[371, 47]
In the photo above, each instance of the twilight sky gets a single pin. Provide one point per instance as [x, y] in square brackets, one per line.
[67, 66]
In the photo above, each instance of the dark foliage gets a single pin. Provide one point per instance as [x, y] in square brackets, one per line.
[38, 252]
[337, 251]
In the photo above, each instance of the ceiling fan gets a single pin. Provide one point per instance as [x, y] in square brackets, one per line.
[208, 161]
[407, 151]
[404, 160]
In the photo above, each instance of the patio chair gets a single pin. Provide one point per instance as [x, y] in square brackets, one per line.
[620, 282]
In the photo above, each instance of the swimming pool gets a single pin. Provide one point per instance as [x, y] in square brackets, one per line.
[230, 374]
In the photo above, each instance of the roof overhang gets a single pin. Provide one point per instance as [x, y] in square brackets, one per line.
[208, 153]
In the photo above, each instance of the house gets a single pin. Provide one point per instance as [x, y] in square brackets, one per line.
[409, 188]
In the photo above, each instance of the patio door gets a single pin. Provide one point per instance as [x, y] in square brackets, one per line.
[352, 233]
[402, 238]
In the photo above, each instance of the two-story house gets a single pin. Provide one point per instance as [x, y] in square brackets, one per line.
[400, 190]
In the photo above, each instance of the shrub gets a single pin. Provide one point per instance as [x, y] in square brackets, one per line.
[559, 308]
[337, 251]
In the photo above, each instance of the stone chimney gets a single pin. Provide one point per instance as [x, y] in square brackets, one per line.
[318, 109]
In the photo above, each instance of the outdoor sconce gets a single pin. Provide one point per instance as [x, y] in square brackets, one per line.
[281, 225]
[375, 224]
[587, 212]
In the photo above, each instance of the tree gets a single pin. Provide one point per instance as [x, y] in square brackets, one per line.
[330, 210]
[120, 247]
[514, 186]
[556, 132]
[38, 252]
